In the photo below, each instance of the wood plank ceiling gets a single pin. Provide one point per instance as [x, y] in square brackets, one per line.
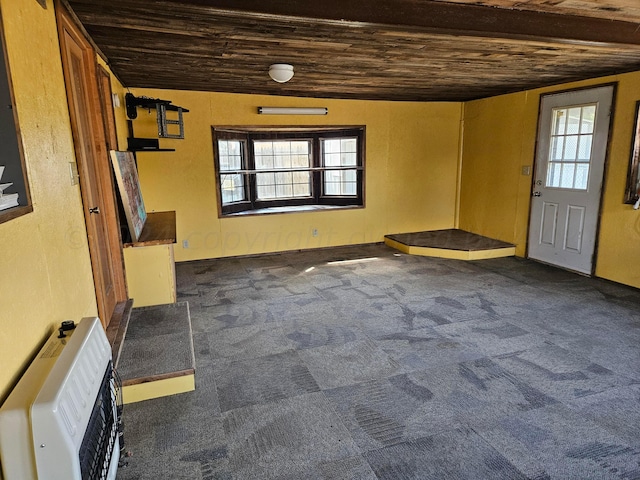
[418, 50]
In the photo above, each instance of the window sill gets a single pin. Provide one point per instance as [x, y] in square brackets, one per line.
[291, 209]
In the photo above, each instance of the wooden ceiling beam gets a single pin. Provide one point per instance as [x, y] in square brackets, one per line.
[441, 17]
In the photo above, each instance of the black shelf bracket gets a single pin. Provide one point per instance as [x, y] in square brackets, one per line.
[162, 107]
[165, 124]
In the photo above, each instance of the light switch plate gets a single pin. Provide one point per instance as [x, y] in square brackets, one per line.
[73, 173]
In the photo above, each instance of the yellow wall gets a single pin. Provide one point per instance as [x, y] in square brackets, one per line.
[499, 139]
[493, 193]
[151, 275]
[619, 241]
[412, 157]
[45, 271]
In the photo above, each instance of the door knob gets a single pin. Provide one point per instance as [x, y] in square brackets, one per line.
[94, 210]
[537, 194]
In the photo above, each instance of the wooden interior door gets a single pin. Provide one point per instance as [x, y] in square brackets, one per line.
[96, 183]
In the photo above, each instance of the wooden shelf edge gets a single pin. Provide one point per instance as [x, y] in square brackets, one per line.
[159, 229]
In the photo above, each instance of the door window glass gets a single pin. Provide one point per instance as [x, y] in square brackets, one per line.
[570, 147]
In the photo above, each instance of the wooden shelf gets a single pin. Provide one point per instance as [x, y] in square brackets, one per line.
[145, 145]
[159, 229]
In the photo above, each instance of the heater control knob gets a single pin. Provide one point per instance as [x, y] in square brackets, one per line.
[65, 327]
[68, 325]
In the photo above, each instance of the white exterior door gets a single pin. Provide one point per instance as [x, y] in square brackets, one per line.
[572, 146]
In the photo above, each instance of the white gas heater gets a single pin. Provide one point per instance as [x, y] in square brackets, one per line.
[60, 422]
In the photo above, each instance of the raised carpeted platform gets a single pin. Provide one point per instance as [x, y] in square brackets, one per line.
[157, 352]
[450, 243]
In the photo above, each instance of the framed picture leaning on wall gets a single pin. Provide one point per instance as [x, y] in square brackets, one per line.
[126, 172]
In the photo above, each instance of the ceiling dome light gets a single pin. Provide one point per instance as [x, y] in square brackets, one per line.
[281, 72]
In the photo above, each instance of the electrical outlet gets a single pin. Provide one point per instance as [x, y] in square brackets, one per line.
[314, 232]
[185, 243]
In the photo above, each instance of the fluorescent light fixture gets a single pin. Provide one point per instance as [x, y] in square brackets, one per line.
[292, 111]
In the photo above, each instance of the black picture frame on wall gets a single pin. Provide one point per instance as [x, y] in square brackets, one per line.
[633, 177]
[11, 154]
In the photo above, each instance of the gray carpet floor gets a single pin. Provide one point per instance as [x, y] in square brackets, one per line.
[363, 363]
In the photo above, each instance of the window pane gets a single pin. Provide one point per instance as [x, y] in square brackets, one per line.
[340, 152]
[553, 175]
[282, 148]
[582, 176]
[280, 185]
[281, 154]
[301, 184]
[349, 145]
[331, 183]
[301, 161]
[570, 147]
[300, 147]
[266, 185]
[230, 152]
[566, 175]
[340, 182]
[332, 159]
[232, 188]
[559, 121]
[349, 183]
[588, 119]
[349, 159]
[584, 150]
[573, 121]
[331, 146]
[284, 185]
[282, 161]
[264, 162]
[557, 148]
[263, 148]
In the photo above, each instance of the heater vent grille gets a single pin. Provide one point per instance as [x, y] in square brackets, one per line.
[100, 436]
